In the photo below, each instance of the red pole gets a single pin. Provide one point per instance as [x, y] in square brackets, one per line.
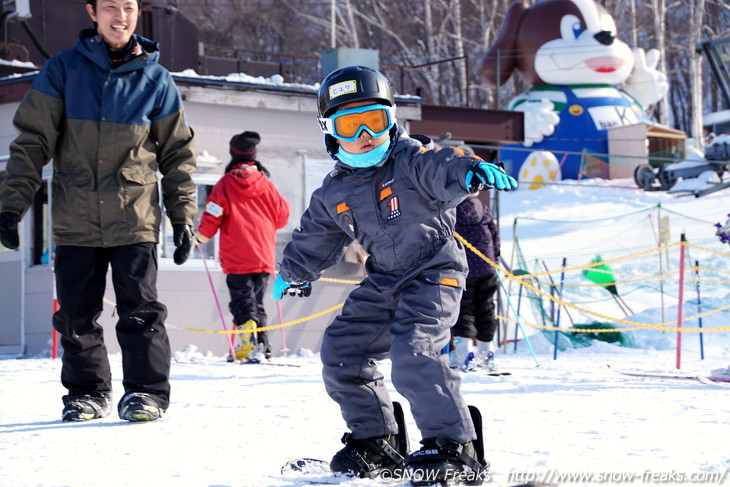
[229, 338]
[679, 304]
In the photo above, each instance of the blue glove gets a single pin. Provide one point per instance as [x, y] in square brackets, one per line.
[488, 175]
[282, 287]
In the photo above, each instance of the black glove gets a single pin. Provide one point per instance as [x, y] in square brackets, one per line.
[9, 230]
[302, 290]
[182, 237]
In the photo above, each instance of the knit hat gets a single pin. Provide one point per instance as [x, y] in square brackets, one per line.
[243, 146]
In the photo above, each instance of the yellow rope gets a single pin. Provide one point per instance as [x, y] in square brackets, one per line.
[523, 280]
[632, 324]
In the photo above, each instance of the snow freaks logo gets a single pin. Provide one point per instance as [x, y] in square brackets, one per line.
[420, 475]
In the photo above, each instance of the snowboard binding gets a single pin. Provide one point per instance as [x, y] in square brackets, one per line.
[379, 457]
[445, 461]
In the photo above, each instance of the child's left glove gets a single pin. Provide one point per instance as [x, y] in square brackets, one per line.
[488, 175]
[282, 287]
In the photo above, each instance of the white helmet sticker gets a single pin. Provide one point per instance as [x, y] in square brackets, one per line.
[343, 88]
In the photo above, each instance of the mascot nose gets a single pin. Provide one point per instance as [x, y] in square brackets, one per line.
[604, 37]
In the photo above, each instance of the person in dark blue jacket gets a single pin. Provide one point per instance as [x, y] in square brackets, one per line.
[111, 118]
[398, 199]
[474, 222]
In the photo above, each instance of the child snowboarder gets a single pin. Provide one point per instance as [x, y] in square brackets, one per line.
[398, 200]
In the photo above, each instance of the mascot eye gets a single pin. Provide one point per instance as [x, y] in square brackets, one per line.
[577, 30]
[570, 27]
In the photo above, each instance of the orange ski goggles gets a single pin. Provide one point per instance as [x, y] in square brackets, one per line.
[348, 124]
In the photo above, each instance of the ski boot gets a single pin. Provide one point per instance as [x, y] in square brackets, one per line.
[246, 343]
[379, 457]
[447, 462]
[264, 347]
[723, 231]
[461, 354]
[139, 407]
[260, 353]
[86, 407]
[485, 356]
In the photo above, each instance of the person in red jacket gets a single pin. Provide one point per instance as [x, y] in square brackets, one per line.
[247, 210]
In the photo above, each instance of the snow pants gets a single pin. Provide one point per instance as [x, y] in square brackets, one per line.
[80, 285]
[247, 299]
[410, 323]
[477, 315]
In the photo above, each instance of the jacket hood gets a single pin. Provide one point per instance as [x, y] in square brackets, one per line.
[249, 178]
[91, 45]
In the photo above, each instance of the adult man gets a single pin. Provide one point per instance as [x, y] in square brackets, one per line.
[110, 117]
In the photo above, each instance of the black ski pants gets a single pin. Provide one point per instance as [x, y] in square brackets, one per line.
[80, 285]
[477, 317]
[247, 299]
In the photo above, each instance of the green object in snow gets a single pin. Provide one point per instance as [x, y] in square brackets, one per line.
[622, 338]
[601, 275]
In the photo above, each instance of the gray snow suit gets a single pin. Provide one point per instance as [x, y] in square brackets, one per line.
[403, 214]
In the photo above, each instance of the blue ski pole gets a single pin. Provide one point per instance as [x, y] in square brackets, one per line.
[557, 318]
[699, 308]
[519, 303]
[517, 317]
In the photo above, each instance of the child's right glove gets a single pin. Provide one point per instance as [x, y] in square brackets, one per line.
[282, 287]
[488, 175]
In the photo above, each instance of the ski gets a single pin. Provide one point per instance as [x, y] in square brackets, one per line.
[496, 373]
[698, 378]
[275, 364]
[229, 362]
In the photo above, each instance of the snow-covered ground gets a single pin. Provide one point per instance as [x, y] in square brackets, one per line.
[235, 425]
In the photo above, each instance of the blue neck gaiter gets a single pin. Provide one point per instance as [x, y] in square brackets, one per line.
[368, 159]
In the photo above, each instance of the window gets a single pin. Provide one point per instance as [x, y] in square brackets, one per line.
[210, 248]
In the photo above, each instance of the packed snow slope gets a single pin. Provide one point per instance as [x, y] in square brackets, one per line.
[571, 420]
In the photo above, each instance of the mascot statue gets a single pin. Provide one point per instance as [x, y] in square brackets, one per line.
[584, 80]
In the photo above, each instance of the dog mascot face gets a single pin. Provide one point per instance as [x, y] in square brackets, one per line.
[584, 79]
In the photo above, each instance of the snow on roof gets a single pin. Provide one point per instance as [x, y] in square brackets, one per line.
[275, 82]
[15, 62]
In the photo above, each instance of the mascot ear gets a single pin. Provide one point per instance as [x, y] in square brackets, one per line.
[496, 66]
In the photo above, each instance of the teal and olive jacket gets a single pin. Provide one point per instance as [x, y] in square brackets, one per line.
[109, 133]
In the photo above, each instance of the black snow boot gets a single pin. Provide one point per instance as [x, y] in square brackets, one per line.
[379, 457]
[445, 461]
[140, 406]
[86, 407]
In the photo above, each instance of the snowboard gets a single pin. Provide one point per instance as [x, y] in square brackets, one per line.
[698, 378]
[312, 471]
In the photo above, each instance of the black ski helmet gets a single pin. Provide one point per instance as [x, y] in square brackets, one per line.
[352, 83]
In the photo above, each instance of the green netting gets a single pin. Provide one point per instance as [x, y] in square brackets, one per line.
[629, 242]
